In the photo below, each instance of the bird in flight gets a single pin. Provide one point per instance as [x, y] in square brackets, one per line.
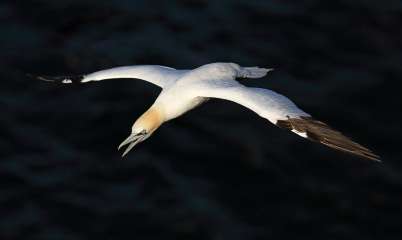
[183, 90]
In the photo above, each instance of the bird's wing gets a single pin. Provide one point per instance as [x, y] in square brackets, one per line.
[282, 112]
[158, 75]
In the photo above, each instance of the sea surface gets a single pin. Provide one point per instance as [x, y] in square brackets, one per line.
[220, 171]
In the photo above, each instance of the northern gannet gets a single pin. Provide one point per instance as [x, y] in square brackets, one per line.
[183, 90]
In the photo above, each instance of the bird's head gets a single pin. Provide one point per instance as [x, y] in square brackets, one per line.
[143, 128]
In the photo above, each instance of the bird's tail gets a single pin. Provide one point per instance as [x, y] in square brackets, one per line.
[60, 79]
[254, 72]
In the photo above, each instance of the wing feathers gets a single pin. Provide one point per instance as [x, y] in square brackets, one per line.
[279, 110]
[159, 75]
[320, 132]
[62, 79]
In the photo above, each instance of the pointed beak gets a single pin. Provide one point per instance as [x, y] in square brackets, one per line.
[132, 140]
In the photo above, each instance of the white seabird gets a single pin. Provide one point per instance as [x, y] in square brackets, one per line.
[183, 90]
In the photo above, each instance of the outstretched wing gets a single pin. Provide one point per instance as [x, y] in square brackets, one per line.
[282, 112]
[159, 75]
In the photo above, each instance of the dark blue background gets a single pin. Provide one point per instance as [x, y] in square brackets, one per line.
[220, 171]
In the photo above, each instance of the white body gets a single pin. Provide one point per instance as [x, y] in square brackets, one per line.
[217, 80]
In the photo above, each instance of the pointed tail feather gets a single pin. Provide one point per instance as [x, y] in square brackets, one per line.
[254, 72]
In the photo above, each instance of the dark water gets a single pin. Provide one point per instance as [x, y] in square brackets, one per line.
[218, 172]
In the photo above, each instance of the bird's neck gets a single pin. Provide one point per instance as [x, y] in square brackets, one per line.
[151, 119]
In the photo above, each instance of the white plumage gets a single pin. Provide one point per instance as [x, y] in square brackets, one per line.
[159, 75]
[183, 90]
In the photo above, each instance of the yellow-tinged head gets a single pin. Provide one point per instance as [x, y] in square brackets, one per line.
[143, 127]
[149, 121]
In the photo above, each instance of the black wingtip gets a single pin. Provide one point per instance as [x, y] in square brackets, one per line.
[58, 79]
[372, 156]
[320, 132]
